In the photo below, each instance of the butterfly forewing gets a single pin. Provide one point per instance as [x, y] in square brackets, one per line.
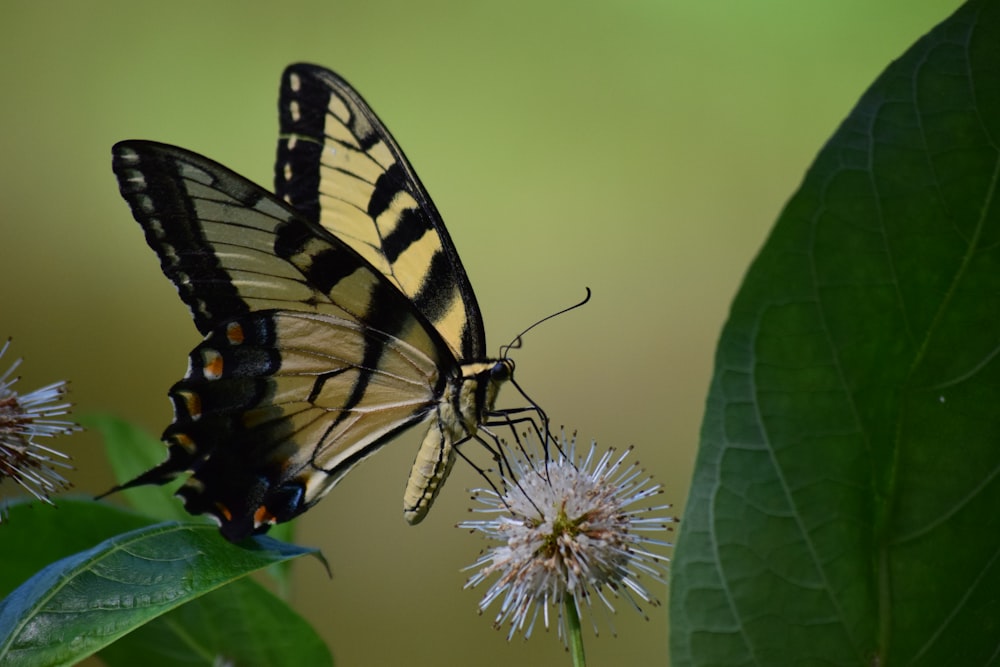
[311, 359]
[339, 166]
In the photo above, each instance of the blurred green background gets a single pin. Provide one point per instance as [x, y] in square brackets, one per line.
[642, 149]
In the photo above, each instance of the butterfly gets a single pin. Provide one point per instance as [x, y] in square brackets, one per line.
[336, 314]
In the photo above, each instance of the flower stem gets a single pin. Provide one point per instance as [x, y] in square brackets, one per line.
[573, 630]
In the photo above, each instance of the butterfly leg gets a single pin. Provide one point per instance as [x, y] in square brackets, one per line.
[500, 457]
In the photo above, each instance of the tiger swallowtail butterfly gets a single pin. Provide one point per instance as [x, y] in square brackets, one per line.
[335, 313]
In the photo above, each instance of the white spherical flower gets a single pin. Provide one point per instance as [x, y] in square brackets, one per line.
[22, 420]
[569, 529]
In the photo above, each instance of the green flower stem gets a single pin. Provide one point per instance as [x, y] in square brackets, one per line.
[573, 629]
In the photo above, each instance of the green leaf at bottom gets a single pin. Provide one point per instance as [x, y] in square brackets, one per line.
[79, 604]
[238, 624]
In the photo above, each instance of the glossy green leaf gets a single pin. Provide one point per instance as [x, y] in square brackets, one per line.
[238, 624]
[35, 534]
[844, 503]
[77, 605]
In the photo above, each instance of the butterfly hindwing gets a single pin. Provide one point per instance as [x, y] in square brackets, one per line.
[284, 432]
[339, 166]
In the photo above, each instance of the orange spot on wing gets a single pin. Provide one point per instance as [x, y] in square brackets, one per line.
[224, 512]
[184, 441]
[192, 403]
[212, 364]
[234, 332]
[262, 516]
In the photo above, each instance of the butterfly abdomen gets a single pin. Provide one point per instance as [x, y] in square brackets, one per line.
[467, 399]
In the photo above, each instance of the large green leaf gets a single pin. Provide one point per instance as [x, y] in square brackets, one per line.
[844, 508]
[238, 624]
[85, 601]
[35, 534]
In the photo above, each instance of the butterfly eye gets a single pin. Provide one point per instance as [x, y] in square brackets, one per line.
[502, 370]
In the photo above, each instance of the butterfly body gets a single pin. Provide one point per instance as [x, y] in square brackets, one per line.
[464, 405]
[335, 313]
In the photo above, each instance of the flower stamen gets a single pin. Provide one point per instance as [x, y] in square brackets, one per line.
[22, 420]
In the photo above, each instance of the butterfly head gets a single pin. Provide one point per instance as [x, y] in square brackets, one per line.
[499, 372]
[502, 370]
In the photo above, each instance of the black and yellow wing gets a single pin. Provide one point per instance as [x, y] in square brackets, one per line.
[339, 166]
[334, 317]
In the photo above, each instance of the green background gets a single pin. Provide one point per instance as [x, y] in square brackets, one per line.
[640, 149]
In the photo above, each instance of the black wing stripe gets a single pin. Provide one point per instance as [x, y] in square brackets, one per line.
[301, 186]
[325, 268]
[165, 211]
[434, 297]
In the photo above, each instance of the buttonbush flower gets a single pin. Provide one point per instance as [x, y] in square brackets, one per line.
[574, 533]
[22, 420]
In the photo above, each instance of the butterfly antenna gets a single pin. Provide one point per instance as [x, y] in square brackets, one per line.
[512, 418]
[516, 342]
